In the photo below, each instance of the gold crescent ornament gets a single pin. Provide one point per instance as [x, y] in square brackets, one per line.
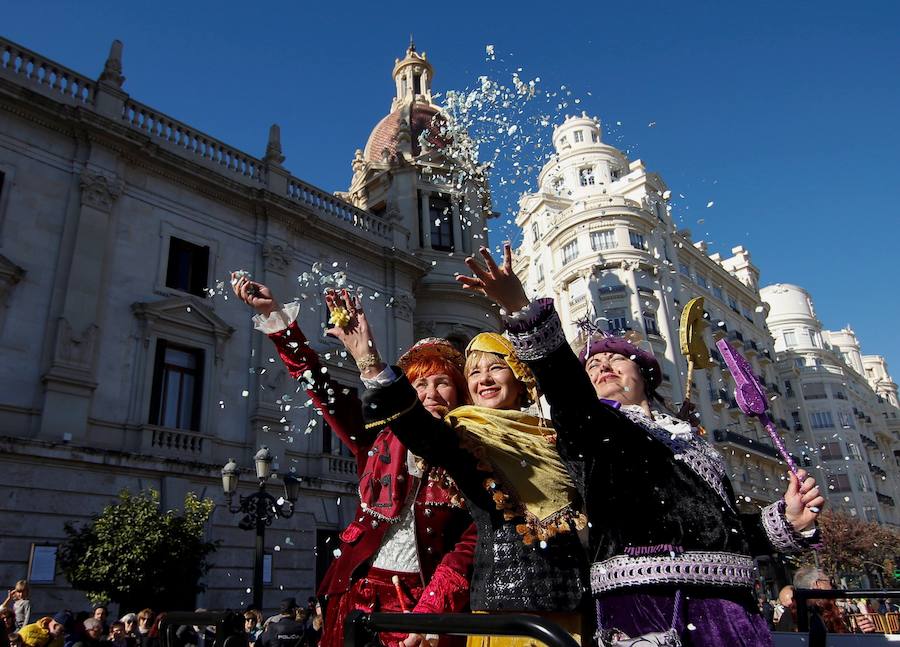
[690, 336]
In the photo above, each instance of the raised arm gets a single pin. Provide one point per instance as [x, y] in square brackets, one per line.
[340, 408]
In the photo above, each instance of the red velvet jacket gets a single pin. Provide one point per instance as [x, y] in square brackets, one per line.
[445, 534]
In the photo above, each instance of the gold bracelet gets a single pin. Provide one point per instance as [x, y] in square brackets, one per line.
[368, 361]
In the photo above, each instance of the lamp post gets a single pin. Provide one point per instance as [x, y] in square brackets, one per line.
[260, 509]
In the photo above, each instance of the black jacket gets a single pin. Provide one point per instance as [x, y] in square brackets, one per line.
[508, 575]
[286, 632]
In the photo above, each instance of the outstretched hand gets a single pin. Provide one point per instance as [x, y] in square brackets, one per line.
[802, 501]
[351, 328]
[256, 295]
[497, 283]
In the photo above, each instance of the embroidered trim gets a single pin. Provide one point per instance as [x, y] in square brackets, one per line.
[693, 567]
[781, 534]
[539, 335]
[656, 549]
[695, 452]
[392, 417]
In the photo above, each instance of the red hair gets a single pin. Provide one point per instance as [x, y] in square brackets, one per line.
[435, 364]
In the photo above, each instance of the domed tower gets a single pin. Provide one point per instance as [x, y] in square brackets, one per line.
[408, 174]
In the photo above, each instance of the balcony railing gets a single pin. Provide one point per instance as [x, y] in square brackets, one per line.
[33, 70]
[884, 499]
[727, 436]
[877, 471]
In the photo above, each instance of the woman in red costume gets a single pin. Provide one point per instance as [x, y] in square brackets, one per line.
[411, 526]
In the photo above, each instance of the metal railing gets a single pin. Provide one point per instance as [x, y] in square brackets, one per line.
[360, 628]
[801, 596]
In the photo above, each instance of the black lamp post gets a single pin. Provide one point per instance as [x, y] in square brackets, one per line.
[260, 509]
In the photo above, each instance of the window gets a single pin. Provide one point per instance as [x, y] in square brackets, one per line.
[42, 564]
[539, 272]
[831, 452]
[684, 270]
[535, 232]
[616, 320]
[854, 451]
[650, 326]
[790, 339]
[838, 483]
[846, 420]
[821, 420]
[701, 281]
[814, 391]
[637, 240]
[570, 252]
[788, 389]
[441, 223]
[871, 514]
[586, 176]
[577, 291]
[188, 266]
[838, 393]
[717, 292]
[267, 568]
[614, 173]
[417, 84]
[601, 240]
[732, 303]
[177, 381]
[813, 338]
[564, 142]
[578, 136]
[799, 362]
[557, 184]
[595, 137]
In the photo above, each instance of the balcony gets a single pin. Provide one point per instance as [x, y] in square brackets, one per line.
[773, 387]
[175, 443]
[725, 436]
[884, 499]
[877, 471]
[736, 335]
[868, 442]
[751, 347]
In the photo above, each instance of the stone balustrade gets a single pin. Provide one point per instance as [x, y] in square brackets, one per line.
[340, 466]
[334, 207]
[36, 72]
[188, 140]
[163, 441]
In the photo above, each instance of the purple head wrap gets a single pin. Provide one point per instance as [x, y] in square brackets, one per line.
[650, 370]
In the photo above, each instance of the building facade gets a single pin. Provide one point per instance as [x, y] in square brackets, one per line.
[125, 366]
[843, 402]
[599, 238]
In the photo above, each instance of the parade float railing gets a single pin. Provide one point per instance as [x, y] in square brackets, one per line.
[360, 628]
[801, 596]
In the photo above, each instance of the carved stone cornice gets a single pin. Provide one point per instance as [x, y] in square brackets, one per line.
[184, 313]
[404, 305]
[100, 190]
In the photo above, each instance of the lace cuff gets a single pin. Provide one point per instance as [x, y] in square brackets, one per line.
[277, 320]
[387, 377]
[535, 331]
[781, 534]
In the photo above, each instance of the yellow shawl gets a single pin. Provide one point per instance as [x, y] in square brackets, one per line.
[527, 478]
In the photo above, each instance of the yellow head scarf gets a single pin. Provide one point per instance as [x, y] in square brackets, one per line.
[491, 342]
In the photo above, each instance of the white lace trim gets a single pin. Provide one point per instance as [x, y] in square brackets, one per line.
[398, 550]
[277, 320]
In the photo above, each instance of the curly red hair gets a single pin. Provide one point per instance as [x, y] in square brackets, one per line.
[435, 364]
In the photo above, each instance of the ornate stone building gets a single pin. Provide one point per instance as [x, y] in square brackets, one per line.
[844, 403]
[599, 238]
[119, 370]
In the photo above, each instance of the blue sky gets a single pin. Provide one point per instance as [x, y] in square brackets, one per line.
[783, 114]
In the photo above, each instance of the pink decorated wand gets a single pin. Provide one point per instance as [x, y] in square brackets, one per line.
[751, 397]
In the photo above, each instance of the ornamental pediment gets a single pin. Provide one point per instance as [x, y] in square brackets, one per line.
[184, 311]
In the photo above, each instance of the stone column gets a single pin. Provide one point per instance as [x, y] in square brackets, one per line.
[425, 219]
[458, 245]
[70, 381]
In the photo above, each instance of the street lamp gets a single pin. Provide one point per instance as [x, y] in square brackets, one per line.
[260, 508]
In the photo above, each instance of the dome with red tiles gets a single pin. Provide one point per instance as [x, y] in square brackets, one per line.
[423, 117]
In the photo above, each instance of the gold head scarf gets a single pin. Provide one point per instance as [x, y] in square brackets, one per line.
[525, 475]
[491, 342]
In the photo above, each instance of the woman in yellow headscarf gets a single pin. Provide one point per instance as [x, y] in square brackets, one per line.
[526, 508]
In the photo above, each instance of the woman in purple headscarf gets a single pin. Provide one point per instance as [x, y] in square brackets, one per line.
[671, 554]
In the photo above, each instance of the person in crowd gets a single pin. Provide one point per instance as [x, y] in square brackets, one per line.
[130, 621]
[528, 557]
[18, 599]
[101, 613]
[91, 634]
[671, 553]
[196, 635]
[252, 625]
[411, 522]
[48, 631]
[145, 619]
[765, 608]
[8, 620]
[15, 640]
[782, 607]
[825, 616]
[117, 636]
[287, 630]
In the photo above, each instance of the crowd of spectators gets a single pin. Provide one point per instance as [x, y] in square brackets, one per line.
[292, 626]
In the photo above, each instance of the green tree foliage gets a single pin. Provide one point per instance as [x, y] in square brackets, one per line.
[138, 555]
[853, 547]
